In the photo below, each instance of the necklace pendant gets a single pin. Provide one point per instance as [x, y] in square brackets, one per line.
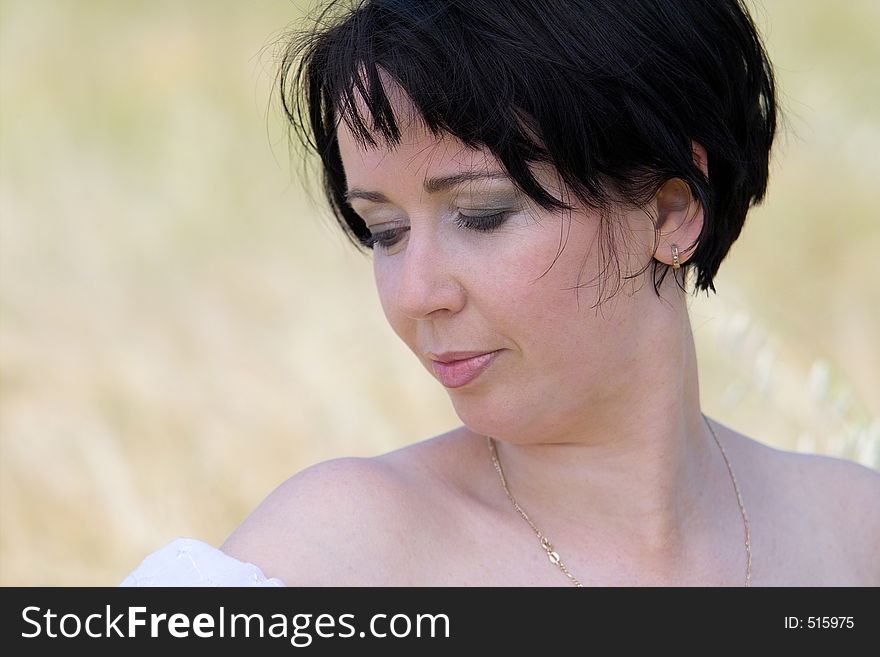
[548, 548]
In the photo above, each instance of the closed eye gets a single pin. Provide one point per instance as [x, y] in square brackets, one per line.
[484, 223]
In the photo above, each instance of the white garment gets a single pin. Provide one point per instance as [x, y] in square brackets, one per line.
[190, 562]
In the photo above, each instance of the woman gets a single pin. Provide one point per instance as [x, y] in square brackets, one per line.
[536, 182]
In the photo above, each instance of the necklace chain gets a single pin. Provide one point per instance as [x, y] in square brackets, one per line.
[554, 557]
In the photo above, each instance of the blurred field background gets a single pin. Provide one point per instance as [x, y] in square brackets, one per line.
[180, 330]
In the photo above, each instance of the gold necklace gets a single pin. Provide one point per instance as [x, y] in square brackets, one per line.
[547, 546]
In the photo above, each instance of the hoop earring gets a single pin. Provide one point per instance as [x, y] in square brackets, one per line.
[675, 263]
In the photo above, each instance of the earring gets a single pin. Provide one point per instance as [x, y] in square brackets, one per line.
[675, 263]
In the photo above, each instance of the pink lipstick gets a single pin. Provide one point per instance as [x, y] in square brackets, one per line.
[457, 373]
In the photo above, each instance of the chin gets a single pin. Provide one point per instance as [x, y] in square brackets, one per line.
[482, 421]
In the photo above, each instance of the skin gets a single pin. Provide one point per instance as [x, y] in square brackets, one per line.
[595, 410]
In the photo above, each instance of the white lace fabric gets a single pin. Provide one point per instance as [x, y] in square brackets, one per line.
[190, 562]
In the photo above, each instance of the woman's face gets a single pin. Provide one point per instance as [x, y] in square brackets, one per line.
[446, 286]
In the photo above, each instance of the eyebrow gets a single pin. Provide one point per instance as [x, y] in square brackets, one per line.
[432, 185]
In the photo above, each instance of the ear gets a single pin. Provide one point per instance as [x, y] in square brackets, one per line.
[679, 214]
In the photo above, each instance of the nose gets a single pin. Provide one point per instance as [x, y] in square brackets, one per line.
[428, 279]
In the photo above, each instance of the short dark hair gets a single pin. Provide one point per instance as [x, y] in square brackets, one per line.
[610, 92]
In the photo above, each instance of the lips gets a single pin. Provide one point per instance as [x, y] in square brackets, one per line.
[456, 373]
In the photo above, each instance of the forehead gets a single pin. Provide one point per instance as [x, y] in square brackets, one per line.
[419, 154]
[419, 150]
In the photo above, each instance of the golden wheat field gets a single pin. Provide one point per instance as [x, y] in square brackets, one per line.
[181, 328]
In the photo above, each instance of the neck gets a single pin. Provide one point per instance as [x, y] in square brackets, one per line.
[635, 475]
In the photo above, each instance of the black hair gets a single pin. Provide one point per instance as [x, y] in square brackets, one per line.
[610, 92]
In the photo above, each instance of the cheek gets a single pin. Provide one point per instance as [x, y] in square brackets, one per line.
[546, 313]
[386, 288]
[554, 304]
[527, 285]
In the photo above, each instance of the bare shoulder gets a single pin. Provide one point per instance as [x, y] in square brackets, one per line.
[844, 496]
[840, 481]
[336, 523]
[822, 509]
[844, 493]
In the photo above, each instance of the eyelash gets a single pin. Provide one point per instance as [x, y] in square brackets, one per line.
[484, 224]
